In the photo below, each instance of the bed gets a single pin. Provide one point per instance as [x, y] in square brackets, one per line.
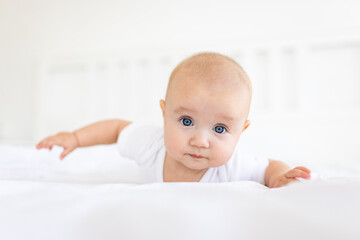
[95, 194]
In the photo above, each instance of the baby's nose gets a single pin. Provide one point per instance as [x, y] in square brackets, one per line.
[200, 140]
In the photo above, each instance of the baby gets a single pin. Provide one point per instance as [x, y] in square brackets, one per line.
[205, 111]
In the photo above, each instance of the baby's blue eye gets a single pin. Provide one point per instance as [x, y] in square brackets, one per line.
[220, 129]
[186, 122]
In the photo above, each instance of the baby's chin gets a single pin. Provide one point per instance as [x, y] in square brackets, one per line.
[195, 164]
[201, 164]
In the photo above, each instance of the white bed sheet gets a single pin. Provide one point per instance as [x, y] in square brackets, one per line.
[99, 164]
[82, 199]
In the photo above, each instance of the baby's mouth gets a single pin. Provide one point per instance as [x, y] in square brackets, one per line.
[196, 156]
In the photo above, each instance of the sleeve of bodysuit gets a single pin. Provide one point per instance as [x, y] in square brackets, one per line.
[244, 166]
[139, 142]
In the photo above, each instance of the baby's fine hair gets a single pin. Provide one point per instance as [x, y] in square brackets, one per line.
[205, 61]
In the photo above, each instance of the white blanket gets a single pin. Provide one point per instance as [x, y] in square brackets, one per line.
[59, 205]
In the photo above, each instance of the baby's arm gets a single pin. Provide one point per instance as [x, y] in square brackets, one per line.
[279, 174]
[104, 132]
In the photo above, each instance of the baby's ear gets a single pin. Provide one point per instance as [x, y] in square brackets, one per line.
[162, 105]
[246, 125]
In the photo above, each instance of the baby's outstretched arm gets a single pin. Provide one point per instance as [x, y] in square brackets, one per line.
[279, 174]
[104, 132]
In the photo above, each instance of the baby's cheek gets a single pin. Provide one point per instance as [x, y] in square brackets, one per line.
[173, 143]
[223, 153]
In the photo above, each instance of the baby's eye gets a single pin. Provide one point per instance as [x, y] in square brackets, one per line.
[186, 121]
[220, 129]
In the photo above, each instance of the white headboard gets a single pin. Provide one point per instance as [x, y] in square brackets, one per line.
[306, 101]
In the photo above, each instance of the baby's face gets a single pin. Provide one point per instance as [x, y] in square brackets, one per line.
[202, 121]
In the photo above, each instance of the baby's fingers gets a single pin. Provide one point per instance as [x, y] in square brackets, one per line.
[49, 142]
[283, 181]
[298, 173]
[304, 169]
[65, 152]
[46, 143]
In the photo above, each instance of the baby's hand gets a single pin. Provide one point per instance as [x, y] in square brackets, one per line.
[66, 140]
[292, 175]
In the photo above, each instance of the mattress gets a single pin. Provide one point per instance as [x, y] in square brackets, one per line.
[96, 194]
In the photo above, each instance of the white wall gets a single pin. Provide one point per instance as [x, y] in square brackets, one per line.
[36, 33]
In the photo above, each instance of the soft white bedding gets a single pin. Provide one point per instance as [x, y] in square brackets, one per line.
[85, 197]
[100, 164]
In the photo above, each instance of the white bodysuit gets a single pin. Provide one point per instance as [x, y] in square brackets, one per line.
[145, 145]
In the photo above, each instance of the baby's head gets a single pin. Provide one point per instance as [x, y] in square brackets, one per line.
[205, 110]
